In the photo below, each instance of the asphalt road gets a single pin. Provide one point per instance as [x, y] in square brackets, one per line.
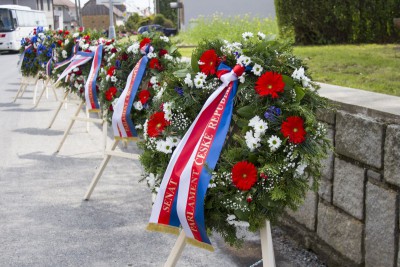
[44, 220]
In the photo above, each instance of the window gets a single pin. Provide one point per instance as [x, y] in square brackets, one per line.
[48, 5]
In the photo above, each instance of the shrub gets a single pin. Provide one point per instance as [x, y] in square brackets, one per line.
[338, 21]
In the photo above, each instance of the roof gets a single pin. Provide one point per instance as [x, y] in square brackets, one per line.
[91, 9]
[67, 3]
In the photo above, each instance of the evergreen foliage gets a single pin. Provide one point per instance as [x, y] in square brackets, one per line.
[338, 21]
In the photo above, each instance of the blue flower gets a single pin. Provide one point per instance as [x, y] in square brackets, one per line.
[34, 39]
[23, 42]
[118, 64]
[179, 90]
[272, 112]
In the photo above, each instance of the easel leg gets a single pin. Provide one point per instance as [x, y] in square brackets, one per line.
[176, 251]
[70, 126]
[105, 124]
[267, 247]
[99, 172]
[58, 109]
[23, 83]
[54, 91]
[35, 91]
[87, 116]
[41, 94]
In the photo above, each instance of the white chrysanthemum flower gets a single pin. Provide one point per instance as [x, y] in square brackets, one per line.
[257, 69]
[201, 75]
[300, 169]
[243, 60]
[188, 80]
[167, 108]
[138, 126]
[138, 105]
[75, 69]
[75, 35]
[252, 141]
[299, 74]
[85, 46]
[164, 147]
[305, 81]
[154, 80]
[174, 140]
[247, 35]
[159, 93]
[198, 82]
[107, 78]
[64, 54]
[66, 41]
[164, 38]
[168, 57]
[113, 79]
[151, 55]
[261, 127]
[242, 78]
[145, 129]
[274, 142]
[261, 35]
[134, 48]
[254, 121]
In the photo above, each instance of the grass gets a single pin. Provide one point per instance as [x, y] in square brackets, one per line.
[230, 28]
[369, 67]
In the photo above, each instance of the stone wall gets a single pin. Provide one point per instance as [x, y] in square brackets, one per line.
[353, 220]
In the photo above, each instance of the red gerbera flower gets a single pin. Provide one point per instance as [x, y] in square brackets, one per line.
[209, 61]
[244, 175]
[59, 31]
[293, 128]
[162, 52]
[270, 83]
[144, 42]
[66, 32]
[114, 50]
[144, 96]
[154, 64]
[59, 42]
[156, 124]
[111, 71]
[110, 93]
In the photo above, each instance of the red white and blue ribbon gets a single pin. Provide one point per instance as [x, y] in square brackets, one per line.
[75, 49]
[122, 123]
[92, 102]
[49, 64]
[180, 199]
[77, 60]
[21, 57]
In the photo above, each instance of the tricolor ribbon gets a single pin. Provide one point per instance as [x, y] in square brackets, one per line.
[21, 57]
[122, 123]
[92, 102]
[180, 199]
[75, 49]
[77, 60]
[49, 63]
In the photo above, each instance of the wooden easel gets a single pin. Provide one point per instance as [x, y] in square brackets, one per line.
[107, 156]
[45, 88]
[65, 101]
[267, 248]
[25, 82]
[75, 117]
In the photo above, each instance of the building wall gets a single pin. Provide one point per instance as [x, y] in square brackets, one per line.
[354, 218]
[28, 3]
[99, 22]
[256, 8]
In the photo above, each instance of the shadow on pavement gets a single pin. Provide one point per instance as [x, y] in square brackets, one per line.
[38, 131]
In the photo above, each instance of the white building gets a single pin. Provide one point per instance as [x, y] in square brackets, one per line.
[255, 8]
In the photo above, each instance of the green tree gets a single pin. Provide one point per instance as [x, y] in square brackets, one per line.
[164, 8]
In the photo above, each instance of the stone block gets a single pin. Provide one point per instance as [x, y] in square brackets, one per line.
[306, 213]
[392, 155]
[373, 175]
[360, 138]
[325, 190]
[327, 116]
[340, 231]
[327, 163]
[348, 188]
[380, 226]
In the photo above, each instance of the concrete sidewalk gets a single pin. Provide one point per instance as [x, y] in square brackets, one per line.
[44, 220]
